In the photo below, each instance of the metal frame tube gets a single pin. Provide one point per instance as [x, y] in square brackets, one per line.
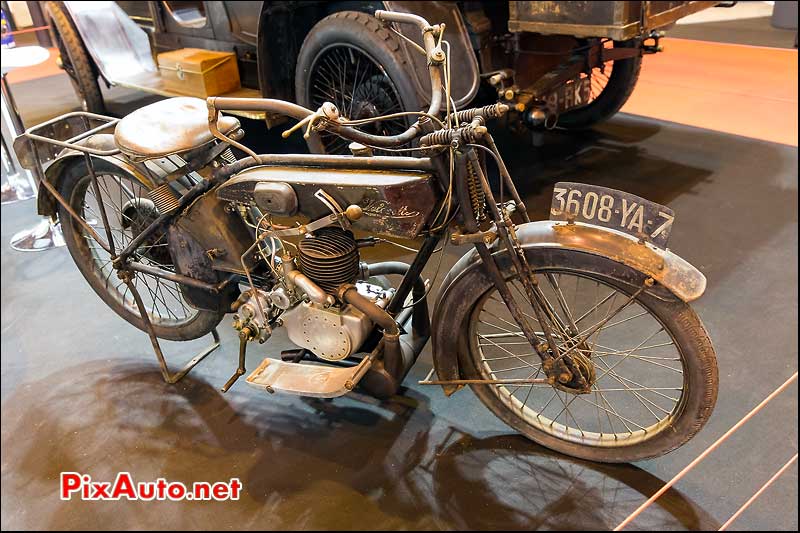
[178, 278]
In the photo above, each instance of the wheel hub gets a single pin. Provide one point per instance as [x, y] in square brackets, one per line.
[137, 215]
[573, 371]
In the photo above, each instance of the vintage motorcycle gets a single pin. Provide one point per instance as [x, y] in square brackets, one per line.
[576, 331]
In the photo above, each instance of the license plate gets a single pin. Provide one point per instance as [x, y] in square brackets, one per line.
[614, 209]
[574, 93]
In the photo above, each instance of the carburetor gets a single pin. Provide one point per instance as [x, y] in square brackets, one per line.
[252, 318]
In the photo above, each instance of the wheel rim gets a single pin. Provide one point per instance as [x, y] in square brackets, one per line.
[129, 211]
[641, 376]
[359, 86]
[600, 76]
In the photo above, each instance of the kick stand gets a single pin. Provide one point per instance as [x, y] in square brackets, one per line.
[240, 370]
[127, 277]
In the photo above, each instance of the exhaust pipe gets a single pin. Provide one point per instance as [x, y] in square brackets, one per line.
[400, 350]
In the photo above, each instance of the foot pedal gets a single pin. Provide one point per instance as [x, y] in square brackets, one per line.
[307, 379]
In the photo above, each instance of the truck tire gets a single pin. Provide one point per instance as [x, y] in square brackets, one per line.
[373, 77]
[75, 58]
[612, 92]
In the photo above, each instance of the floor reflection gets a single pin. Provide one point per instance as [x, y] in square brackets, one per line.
[305, 463]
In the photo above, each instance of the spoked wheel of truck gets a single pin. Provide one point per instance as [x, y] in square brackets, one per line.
[611, 86]
[350, 59]
[655, 368]
[75, 59]
[129, 211]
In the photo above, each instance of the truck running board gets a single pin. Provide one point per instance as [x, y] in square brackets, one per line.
[307, 379]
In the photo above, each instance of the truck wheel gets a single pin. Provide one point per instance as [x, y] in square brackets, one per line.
[75, 58]
[350, 59]
[610, 90]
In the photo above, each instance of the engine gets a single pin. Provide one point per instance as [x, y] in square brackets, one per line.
[329, 258]
[313, 317]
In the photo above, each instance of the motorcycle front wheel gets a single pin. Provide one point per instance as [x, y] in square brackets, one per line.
[656, 372]
[129, 211]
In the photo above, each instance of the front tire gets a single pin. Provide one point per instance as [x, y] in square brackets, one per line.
[657, 376]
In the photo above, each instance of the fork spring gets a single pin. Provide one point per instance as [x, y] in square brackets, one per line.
[476, 195]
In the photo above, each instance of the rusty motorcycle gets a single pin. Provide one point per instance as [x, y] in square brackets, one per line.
[576, 331]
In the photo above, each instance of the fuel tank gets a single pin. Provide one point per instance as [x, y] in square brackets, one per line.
[394, 203]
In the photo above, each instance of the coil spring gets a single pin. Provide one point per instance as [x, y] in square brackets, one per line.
[228, 156]
[445, 137]
[477, 197]
[164, 197]
[487, 111]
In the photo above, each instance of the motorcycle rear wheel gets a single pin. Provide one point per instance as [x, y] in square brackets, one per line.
[171, 316]
[657, 375]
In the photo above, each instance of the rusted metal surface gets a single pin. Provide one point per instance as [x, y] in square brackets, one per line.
[69, 128]
[510, 381]
[675, 277]
[614, 209]
[667, 268]
[215, 228]
[306, 379]
[161, 273]
[396, 204]
[616, 20]
[659, 14]
[53, 167]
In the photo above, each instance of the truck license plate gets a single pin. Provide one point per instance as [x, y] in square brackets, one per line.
[614, 209]
[574, 93]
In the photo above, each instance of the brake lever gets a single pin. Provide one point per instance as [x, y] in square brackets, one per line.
[327, 111]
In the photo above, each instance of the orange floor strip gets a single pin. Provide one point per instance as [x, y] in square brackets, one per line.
[744, 90]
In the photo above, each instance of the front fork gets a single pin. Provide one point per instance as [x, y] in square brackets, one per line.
[565, 366]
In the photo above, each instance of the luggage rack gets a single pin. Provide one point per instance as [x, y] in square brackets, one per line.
[27, 147]
[42, 143]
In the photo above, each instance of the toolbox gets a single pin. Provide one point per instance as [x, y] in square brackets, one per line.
[197, 72]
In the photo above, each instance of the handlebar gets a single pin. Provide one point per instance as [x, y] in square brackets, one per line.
[435, 57]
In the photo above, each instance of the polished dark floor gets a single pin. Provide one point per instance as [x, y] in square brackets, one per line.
[81, 390]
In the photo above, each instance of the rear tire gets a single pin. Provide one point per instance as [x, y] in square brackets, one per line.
[612, 96]
[89, 258]
[75, 58]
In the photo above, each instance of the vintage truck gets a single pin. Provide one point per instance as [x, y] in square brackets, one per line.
[557, 64]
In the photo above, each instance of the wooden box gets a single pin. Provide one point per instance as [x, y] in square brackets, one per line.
[201, 73]
[617, 20]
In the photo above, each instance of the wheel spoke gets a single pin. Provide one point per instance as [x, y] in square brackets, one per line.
[636, 370]
[162, 298]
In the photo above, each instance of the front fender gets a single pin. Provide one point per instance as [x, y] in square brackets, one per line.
[672, 273]
[46, 204]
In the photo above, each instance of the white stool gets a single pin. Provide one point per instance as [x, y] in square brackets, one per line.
[20, 183]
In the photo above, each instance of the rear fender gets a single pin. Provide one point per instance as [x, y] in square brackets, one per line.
[47, 204]
[675, 278]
